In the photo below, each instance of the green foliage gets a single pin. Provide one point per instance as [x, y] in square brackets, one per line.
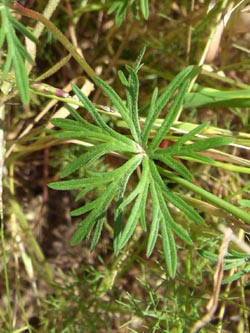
[16, 52]
[120, 8]
[141, 152]
[214, 98]
[234, 260]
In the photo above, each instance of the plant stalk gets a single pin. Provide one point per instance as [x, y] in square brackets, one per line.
[235, 211]
[57, 33]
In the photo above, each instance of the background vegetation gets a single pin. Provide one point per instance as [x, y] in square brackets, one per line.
[193, 280]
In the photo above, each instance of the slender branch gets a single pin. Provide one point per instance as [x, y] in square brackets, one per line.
[57, 33]
[48, 11]
[230, 208]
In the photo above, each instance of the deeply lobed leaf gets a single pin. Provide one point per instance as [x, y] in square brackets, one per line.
[139, 152]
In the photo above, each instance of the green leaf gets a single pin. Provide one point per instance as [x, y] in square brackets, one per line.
[96, 116]
[163, 100]
[74, 129]
[205, 144]
[149, 120]
[89, 157]
[22, 80]
[183, 234]
[137, 65]
[96, 214]
[170, 118]
[173, 164]
[119, 210]
[123, 78]
[2, 37]
[75, 184]
[207, 255]
[22, 50]
[87, 207]
[197, 157]
[67, 124]
[180, 232]
[175, 200]
[120, 6]
[143, 209]
[131, 222]
[140, 186]
[83, 122]
[173, 197]
[234, 264]
[22, 29]
[169, 248]
[145, 8]
[236, 276]
[6, 67]
[140, 192]
[132, 97]
[97, 234]
[209, 97]
[16, 53]
[119, 105]
[155, 222]
[244, 203]
[188, 136]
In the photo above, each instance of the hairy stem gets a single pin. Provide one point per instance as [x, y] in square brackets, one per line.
[235, 211]
[57, 33]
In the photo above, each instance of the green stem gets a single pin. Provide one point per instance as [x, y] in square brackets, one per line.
[237, 212]
[57, 33]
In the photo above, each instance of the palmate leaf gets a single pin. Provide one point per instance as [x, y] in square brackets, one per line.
[143, 152]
